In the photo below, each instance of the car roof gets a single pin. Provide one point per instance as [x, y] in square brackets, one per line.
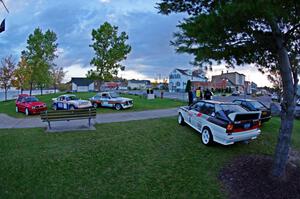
[216, 102]
[246, 100]
[23, 95]
[67, 95]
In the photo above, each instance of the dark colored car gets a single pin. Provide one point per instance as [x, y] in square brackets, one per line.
[29, 105]
[254, 105]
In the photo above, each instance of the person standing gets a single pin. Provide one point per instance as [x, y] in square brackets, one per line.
[207, 94]
[199, 94]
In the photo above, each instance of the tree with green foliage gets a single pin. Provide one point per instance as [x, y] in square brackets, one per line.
[57, 76]
[188, 87]
[21, 75]
[40, 54]
[110, 49]
[6, 74]
[265, 33]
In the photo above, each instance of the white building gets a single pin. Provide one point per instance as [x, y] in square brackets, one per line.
[138, 84]
[179, 77]
[80, 84]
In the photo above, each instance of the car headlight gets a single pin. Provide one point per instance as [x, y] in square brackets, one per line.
[33, 107]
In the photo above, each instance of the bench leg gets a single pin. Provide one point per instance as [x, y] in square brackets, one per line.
[49, 125]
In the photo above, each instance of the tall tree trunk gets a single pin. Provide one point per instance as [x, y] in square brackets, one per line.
[30, 91]
[54, 88]
[287, 110]
[22, 90]
[41, 90]
[5, 93]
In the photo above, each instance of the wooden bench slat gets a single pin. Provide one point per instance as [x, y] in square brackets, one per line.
[66, 115]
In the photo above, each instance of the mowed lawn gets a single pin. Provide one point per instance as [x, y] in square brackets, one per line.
[140, 104]
[141, 159]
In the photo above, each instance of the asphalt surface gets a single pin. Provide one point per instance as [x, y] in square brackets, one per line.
[8, 122]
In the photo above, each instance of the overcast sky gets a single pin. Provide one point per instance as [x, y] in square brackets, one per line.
[72, 20]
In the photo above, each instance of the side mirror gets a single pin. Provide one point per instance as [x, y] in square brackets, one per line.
[213, 114]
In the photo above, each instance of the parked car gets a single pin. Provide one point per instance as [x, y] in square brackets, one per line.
[29, 105]
[274, 97]
[236, 93]
[254, 105]
[69, 102]
[298, 102]
[111, 99]
[221, 122]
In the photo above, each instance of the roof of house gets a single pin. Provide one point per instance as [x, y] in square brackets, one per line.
[195, 73]
[228, 73]
[81, 81]
[139, 81]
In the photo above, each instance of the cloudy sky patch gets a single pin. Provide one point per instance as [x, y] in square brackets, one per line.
[73, 20]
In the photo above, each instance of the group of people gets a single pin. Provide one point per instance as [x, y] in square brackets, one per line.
[198, 94]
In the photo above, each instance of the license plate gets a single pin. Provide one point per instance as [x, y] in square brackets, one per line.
[264, 113]
[247, 125]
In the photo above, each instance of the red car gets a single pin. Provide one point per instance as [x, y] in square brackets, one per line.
[29, 105]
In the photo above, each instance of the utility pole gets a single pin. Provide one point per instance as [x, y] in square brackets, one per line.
[4, 6]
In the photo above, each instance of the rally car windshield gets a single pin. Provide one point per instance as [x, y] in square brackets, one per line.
[31, 99]
[257, 105]
[114, 95]
[72, 98]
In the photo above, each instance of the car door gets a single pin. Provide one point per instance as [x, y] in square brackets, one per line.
[61, 103]
[104, 100]
[195, 115]
[22, 104]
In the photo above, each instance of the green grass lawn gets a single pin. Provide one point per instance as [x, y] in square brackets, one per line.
[140, 104]
[141, 159]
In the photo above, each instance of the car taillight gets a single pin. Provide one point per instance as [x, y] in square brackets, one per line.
[229, 128]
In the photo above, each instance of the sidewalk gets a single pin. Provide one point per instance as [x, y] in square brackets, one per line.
[7, 122]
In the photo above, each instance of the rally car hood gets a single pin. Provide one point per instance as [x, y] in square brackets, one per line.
[35, 103]
[236, 117]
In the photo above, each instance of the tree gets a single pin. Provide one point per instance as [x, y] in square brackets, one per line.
[57, 76]
[110, 49]
[6, 74]
[40, 53]
[261, 32]
[21, 75]
[188, 87]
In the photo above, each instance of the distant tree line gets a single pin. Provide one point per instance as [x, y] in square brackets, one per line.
[36, 68]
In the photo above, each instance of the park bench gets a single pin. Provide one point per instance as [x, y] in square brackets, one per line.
[66, 115]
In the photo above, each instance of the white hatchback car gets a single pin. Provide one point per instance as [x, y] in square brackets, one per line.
[221, 122]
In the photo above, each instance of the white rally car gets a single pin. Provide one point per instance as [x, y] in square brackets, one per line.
[111, 99]
[221, 122]
[69, 102]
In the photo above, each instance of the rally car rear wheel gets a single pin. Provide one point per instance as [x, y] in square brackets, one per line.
[72, 108]
[206, 136]
[180, 119]
[54, 107]
[118, 107]
[95, 105]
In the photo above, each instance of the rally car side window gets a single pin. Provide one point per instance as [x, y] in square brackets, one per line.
[208, 108]
[197, 106]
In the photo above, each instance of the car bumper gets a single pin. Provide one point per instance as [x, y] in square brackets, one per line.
[265, 119]
[38, 110]
[124, 106]
[84, 106]
[242, 136]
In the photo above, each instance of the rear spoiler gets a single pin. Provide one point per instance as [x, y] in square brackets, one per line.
[247, 116]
